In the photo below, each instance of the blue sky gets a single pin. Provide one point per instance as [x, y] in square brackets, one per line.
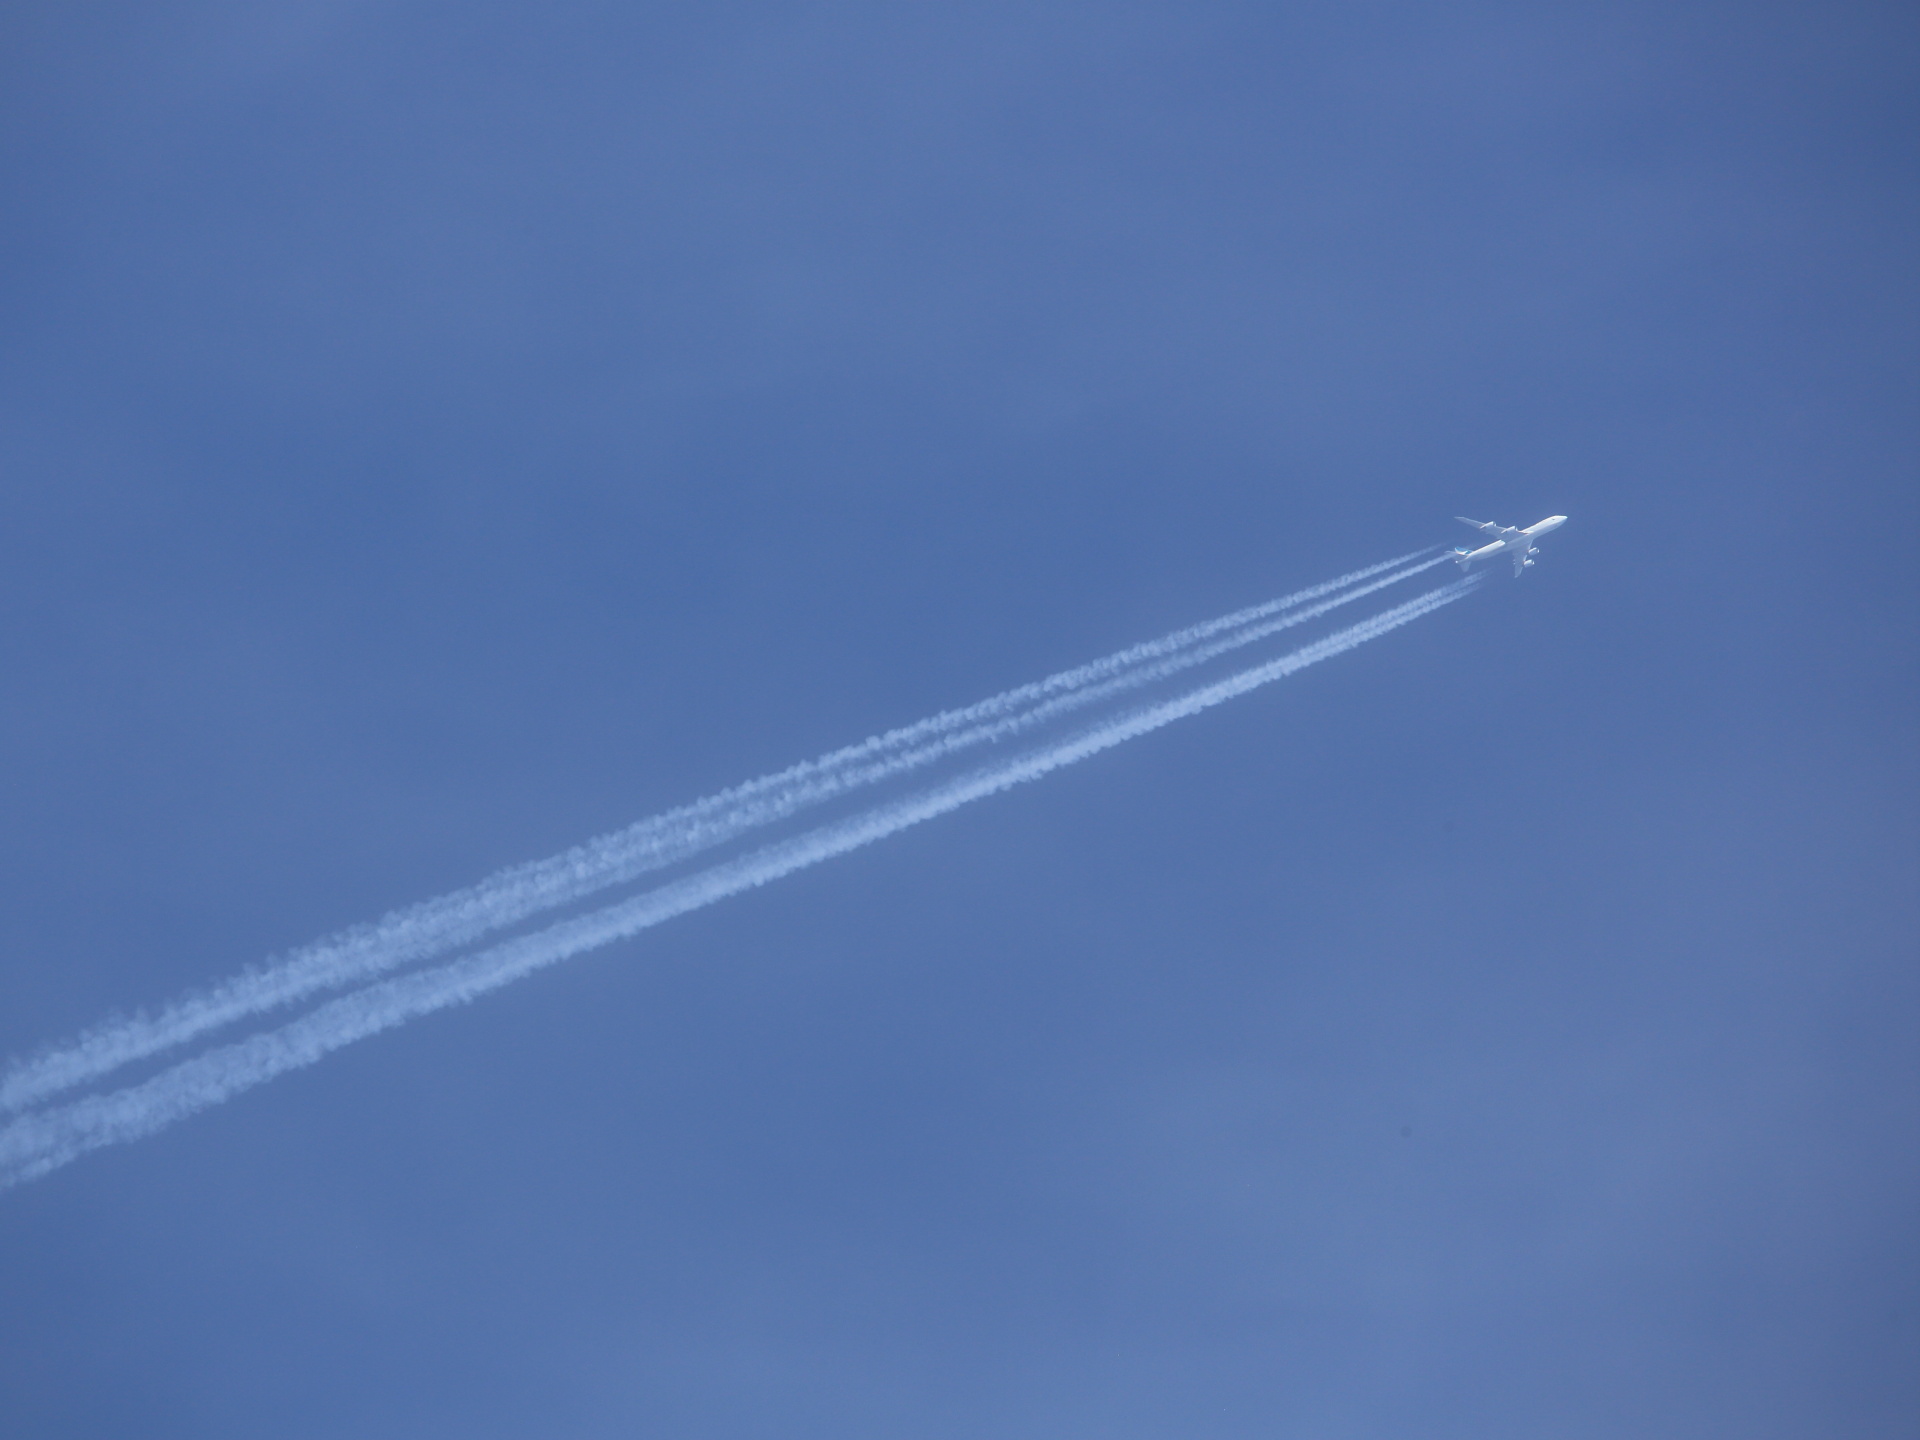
[433, 435]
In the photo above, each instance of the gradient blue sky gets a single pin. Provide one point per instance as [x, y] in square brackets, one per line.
[433, 434]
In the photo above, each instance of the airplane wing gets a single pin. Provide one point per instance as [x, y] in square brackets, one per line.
[1520, 562]
[1485, 527]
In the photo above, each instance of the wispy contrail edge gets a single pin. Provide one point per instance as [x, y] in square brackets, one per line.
[34, 1145]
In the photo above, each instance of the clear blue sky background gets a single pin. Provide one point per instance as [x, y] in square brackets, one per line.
[432, 434]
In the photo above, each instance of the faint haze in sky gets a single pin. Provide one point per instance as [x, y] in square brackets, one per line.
[436, 434]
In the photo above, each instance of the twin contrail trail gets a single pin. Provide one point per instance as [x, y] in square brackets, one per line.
[37, 1143]
[438, 926]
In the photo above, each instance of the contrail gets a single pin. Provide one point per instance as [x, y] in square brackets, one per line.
[435, 927]
[36, 1144]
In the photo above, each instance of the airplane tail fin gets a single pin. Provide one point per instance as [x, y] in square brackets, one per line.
[1461, 557]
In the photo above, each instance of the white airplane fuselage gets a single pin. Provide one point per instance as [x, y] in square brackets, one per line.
[1509, 540]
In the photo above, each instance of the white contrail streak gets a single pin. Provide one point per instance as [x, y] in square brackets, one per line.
[36, 1144]
[435, 927]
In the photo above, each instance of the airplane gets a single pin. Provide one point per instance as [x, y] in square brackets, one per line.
[1506, 540]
